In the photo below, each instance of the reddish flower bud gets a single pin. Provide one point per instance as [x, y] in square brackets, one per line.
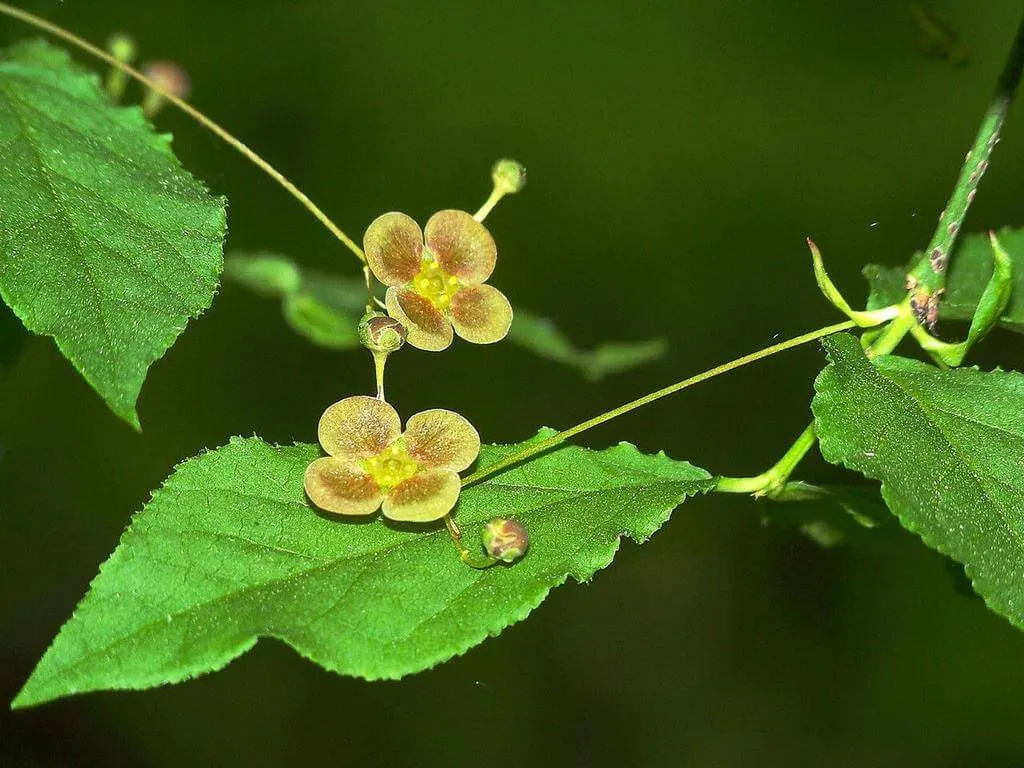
[380, 333]
[171, 78]
[505, 539]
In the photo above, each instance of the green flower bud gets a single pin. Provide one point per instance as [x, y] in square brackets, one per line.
[509, 176]
[505, 539]
[380, 333]
[122, 47]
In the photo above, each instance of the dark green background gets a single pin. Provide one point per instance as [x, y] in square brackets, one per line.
[678, 155]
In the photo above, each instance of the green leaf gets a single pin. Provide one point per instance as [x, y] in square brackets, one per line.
[969, 272]
[229, 551]
[264, 273]
[320, 323]
[540, 336]
[948, 447]
[106, 243]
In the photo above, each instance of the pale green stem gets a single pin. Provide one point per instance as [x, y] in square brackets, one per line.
[116, 83]
[775, 478]
[480, 562]
[195, 114]
[550, 442]
[380, 359]
[487, 207]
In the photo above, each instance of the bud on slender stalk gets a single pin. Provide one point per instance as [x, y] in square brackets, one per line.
[170, 77]
[122, 47]
[508, 176]
[382, 335]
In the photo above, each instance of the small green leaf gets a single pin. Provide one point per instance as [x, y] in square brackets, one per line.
[320, 323]
[970, 272]
[948, 447]
[264, 273]
[540, 336]
[229, 551]
[106, 243]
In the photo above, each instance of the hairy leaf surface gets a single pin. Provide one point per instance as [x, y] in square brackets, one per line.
[106, 243]
[229, 551]
[948, 447]
[969, 273]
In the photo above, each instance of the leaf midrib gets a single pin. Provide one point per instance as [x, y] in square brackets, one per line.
[304, 572]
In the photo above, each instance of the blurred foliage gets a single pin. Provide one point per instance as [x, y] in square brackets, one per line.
[325, 308]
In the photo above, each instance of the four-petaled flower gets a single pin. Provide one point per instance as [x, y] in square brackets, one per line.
[371, 462]
[436, 281]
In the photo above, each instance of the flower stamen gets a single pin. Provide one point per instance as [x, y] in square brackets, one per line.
[434, 284]
[391, 466]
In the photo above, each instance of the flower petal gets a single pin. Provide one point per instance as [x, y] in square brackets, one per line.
[481, 314]
[393, 244]
[462, 245]
[428, 328]
[339, 487]
[440, 439]
[358, 427]
[429, 495]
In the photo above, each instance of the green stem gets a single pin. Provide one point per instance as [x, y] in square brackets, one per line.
[930, 273]
[767, 483]
[195, 114]
[550, 442]
[773, 480]
[488, 206]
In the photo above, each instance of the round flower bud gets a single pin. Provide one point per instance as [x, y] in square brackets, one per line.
[505, 539]
[170, 76]
[380, 333]
[122, 47]
[508, 176]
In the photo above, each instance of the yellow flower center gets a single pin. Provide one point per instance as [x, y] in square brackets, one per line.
[391, 466]
[434, 284]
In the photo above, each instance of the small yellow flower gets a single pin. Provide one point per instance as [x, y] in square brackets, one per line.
[371, 464]
[436, 280]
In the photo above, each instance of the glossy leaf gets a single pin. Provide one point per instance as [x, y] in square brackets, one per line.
[106, 243]
[969, 273]
[948, 447]
[229, 551]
